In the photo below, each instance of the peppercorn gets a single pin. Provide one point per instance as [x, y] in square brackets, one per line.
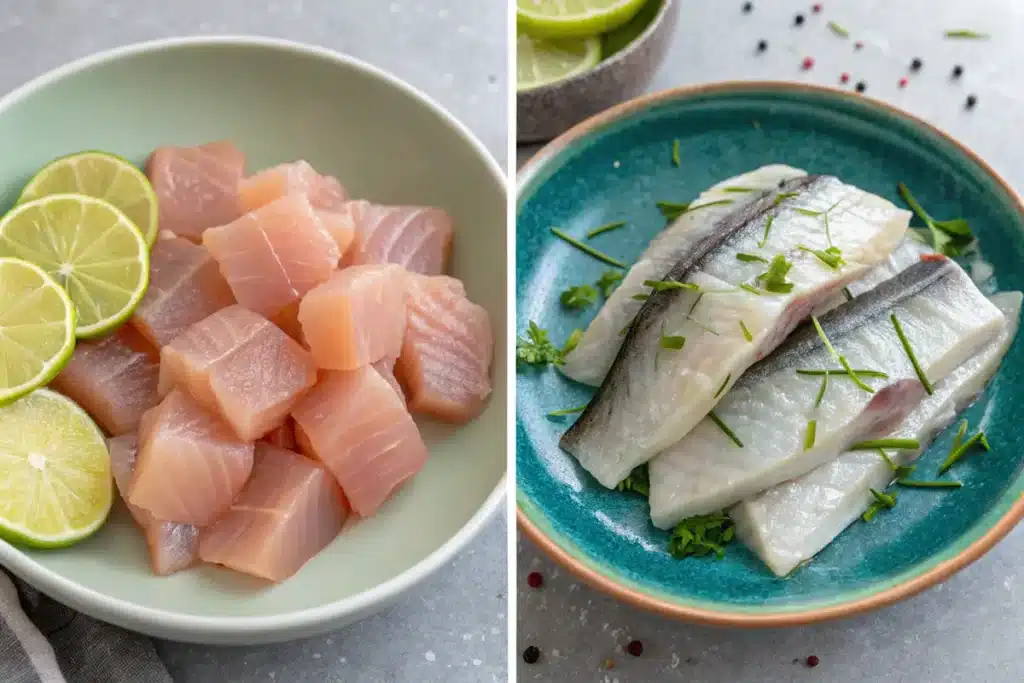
[748, 7]
[916, 64]
[958, 71]
[762, 45]
[816, 8]
[635, 648]
[534, 580]
[844, 77]
[807, 63]
[971, 101]
[903, 82]
[798, 20]
[813, 661]
[531, 654]
[861, 86]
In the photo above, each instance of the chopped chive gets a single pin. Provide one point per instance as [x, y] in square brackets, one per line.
[746, 333]
[847, 294]
[737, 189]
[750, 289]
[910, 354]
[961, 432]
[828, 232]
[831, 257]
[842, 372]
[959, 451]
[586, 249]
[883, 501]
[887, 459]
[673, 210]
[895, 444]
[672, 343]
[572, 341]
[725, 382]
[842, 360]
[702, 326]
[607, 227]
[751, 258]
[808, 212]
[664, 285]
[700, 295]
[728, 432]
[914, 483]
[675, 153]
[767, 229]
[812, 427]
[964, 33]
[608, 281]
[567, 411]
[821, 390]
[641, 297]
[783, 196]
[838, 30]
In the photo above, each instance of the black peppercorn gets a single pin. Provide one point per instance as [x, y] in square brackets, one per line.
[798, 20]
[748, 6]
[971, 101]
[762, 45]
[861, 86]
[958, 71]
[916, 64]
[531, 654]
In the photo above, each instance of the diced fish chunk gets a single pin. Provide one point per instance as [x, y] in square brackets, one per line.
[114, 383]
[190, 465]
[418, 238]
[290, 510]
[324, 192]
[241, 366]
[355, 424]
[355, 318]
[447, 351]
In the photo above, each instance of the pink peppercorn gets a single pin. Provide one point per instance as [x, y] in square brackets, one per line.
[816, 8]
[844, 78]
[635, 648]
[903, 82]
[808, 63]
[534, 580]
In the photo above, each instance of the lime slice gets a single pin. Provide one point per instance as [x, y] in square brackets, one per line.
[55, 481]
[542, 62]
[37, 328]
[574, 18]
[623, 36]
[104, 176]
[90, 248]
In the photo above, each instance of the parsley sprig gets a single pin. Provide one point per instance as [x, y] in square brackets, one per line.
[774, 279]
[702, 535]
[537, 349]
[950, 237]
[638, 481]
[578, 296]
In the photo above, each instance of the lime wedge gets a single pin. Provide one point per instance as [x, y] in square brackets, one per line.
[542, 62]
[104, 176]
[93, 250]
[55, 481]
[574, 18]
[37, 328]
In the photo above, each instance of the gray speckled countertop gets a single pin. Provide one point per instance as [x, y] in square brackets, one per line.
[453, 628]
[968, 629]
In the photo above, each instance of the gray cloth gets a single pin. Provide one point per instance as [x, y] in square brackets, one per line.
[42, 641]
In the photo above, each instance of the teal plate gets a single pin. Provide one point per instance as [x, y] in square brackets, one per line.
[614, 167]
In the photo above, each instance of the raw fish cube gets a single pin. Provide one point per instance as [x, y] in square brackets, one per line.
[324, 192]
[419, 238]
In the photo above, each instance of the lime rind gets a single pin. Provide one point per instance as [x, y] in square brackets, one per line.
[66, 419]
[146, 218]
[46, 252]
[544, 62]
[554, 19]
[52, 367]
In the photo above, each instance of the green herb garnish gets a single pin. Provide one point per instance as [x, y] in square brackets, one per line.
[751, 258]
[641, 297]
[666, 285]
[936, 484]
[783, 196]
[842, 359]
[749, 288]
[579, 296]
[673, 210]
[571, 342]
[535, 348]
[812, 428]
[587, 249]
[838, 30]
[964, 33]
[738, 190]
[675, 153]
[702, 535]
[746, 333]
[895, 444]
[607, 227]
[774, 279]
[728, 432]
[961, 432]
[821, 389]
[960, 450]
[842, 372]
[672, 343]
[808, 212]
[831, 257]
[767, 229]
[883, 501]
[899, 471]
[638, 481]
[608, 281]
[910, 354]
[725, 383]
[568, 411]
[947, 237]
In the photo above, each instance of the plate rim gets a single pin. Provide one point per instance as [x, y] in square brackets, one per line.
[297, 623]
[726, 617]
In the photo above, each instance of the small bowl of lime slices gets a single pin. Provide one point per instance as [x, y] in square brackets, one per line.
[573, 62]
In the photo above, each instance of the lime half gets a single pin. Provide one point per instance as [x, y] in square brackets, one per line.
[104, 176]
[93, 250]
[55, 481]
[542, 62]
[574, 18]
[37, 328]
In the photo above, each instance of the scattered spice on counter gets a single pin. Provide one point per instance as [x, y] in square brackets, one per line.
[534, 579]
[859, 45]
[762, 45]
[798, 20]
[916, 64]
[635, 648]
[903, 82]
[844, 77]
[958, 71]
[861, 86]
[813, 661]
[808, 63]
[531, 654]
[971, 101]
[748, 7]
[816, 8]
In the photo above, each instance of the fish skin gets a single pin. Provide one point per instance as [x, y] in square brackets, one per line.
[789, 524]
[944, 317]
[112, 382]
[172, 546]
[289, 510]
[185, 286]
[590, 361]
[190, 464]
[652, 397]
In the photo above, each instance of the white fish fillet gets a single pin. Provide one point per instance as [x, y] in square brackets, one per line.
[652, 397]
[790, 523]
[945, 318]
[590, 360]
